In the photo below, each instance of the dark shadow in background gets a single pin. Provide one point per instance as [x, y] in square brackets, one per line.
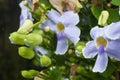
[10, 63]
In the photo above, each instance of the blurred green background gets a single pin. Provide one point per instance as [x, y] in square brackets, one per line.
[10, 63]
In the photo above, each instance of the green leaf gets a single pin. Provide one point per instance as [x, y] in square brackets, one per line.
[109, 70]
[113, 15]
[55, 74]
[116, 2]
[96, 11]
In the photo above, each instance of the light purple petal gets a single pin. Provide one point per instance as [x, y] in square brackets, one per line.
[53, 15]
[62, 46]
[48, 23]
[72, 33]
[101, 63]
[113, 31]
[113, 49]
[25, 14]
[70, 18]
[96, 32]
[39, 49]
[90, 50]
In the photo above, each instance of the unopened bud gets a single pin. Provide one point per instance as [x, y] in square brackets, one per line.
[34, 72]
[25, 28]
[47, 29]
[33, 39]
[40, 32]
[70, 51]
[45, 61]
[25, 2]
[26, 74]
[78, 5]
[17, 38]
[103, 18]
[26, 52]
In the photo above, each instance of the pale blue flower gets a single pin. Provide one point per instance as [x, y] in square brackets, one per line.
[103, 47]
[25, 13]
[40, 50]
[65, 28]
[113, 31]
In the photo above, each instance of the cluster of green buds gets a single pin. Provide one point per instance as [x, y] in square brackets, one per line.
[29, 73]
[27, 37]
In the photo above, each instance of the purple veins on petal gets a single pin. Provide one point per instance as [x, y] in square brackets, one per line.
[60, 35]
[101, 49]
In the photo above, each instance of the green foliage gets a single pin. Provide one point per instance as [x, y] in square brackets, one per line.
[116, 2]
[55, 74]
[114, 15]
[96, 11]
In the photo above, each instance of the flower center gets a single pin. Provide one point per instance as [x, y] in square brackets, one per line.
[101, 41]
[60, 27]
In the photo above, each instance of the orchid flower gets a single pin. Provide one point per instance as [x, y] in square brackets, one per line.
[65, 28]
[103, 47]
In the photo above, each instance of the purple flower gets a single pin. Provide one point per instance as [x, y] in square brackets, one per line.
[25, 13]
[103, 47]
[65, 28]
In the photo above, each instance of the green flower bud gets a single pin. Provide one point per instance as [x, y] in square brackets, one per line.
[40, 32]
[103, 18]
[34, 72]
[45, 61]
[17, 38]
[33, 39]
[26, 52]
[26, 74]
[26, 27]
[79, 46]
[47, 29]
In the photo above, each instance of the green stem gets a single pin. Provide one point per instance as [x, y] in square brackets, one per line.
[37, 23]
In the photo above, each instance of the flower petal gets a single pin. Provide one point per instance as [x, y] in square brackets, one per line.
[25, 14]
[113, 49]
[48, 23]
[90, 50]
[96, 31]
[70, 18]
[101, 63]
[39, 49]
[53, 15]
[57, 4]
[62, 46]
[113, 31]
[72, 33]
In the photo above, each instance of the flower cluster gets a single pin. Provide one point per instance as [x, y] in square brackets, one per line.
[54, 35]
